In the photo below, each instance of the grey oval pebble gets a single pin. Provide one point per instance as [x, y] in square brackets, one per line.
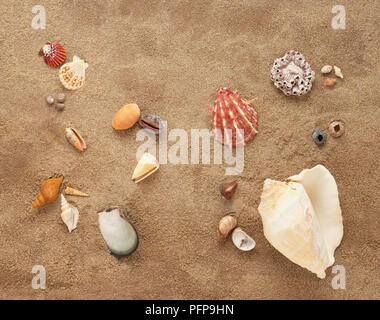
[61, 97]
[60, 106]
[50, 99]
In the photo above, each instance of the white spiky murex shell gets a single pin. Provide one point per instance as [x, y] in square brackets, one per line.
[69, 215]
[73, 74]
[302, 218]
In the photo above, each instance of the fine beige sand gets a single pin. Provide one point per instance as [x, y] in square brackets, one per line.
[170, 57]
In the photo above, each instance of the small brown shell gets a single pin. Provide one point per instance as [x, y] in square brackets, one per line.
[75, 139]
[330, 82]
[226, 225]
[336, 128]
[228, 190]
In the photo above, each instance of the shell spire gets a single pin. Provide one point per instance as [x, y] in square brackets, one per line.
[69, 215]
[234, 120]
[54, 54]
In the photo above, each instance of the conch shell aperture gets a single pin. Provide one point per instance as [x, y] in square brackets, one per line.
[302, 218]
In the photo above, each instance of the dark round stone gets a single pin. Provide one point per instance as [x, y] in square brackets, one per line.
[319, 137]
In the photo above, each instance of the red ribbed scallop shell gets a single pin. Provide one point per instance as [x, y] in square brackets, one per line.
[232, 114]
[53, 53]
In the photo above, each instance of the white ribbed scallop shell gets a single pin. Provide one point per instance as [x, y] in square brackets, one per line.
[73, 74]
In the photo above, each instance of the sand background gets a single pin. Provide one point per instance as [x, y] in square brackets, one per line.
[170, 57]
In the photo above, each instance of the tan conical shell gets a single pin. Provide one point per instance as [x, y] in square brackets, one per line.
[147, 165]
[69, 215]
[302, 218]
[49, 192]
[74, 192]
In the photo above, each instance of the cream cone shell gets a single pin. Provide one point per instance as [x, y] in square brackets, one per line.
[74, 192]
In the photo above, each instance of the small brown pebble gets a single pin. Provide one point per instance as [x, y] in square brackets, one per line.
[228, 190]
[330, 82]
[336, 128]
[61, 98]
[60, 106]
[50, 99]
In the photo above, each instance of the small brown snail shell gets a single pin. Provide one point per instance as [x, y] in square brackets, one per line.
[228, 190]
[226, 225]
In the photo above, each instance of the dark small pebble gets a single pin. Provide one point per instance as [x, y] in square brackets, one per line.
[319, 137]
[59, 106]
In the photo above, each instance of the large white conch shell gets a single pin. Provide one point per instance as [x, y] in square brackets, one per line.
[73, 74]
[302, 218]
[69, 215]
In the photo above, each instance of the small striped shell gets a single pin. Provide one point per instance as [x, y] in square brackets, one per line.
[75, 139]
[234, 120]
[73, 74]
[54, 54]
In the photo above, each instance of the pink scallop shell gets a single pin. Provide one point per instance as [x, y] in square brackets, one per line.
[230, 116]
